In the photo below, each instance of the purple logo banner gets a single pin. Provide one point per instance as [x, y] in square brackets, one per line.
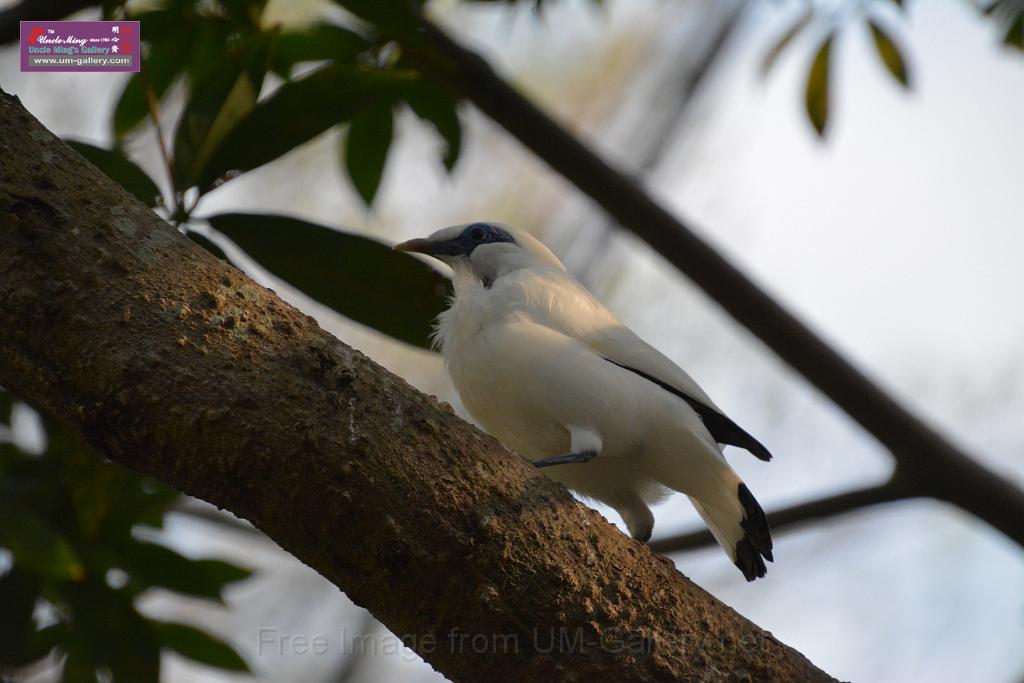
[80, 46]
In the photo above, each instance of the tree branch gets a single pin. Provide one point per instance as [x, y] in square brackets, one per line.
[796, 515]
[644, 148]
[933, 465]
[175, 364]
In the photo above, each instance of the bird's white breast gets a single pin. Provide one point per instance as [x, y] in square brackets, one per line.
[494, 353]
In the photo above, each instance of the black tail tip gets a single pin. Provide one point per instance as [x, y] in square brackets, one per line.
[756, 545]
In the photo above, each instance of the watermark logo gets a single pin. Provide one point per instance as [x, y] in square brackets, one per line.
[455, 641]
[80, 46]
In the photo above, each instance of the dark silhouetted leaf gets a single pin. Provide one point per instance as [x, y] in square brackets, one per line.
[45, 639]
[360, 278]
[899, 3]
[216, 105]
[208, 39]
[199, 646]
[207, 244]
[889, 54]
[78, 667]
[19, 591]
[221, 573]
[157, 565]
[1015, 34]
[106, 626]
[108, 500]
[316, 43]
[816, 97]
[433, 104]
[297, 112]
[37, 546]
[6, 405]
[121, 170]
[787, 37]
[164, 60]
[366, 148]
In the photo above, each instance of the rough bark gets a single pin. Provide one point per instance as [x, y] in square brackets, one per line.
[175, 364]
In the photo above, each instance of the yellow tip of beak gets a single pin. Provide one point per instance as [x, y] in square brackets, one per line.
[418, 246]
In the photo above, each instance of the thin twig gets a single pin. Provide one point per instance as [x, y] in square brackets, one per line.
[153, 105]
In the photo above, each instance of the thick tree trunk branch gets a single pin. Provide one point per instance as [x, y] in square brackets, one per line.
[933, 466]
[173, 363]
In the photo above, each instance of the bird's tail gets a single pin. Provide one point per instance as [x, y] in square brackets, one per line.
[741, 528]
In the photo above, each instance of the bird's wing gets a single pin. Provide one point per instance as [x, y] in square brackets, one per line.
[556, 300]
[621, 346]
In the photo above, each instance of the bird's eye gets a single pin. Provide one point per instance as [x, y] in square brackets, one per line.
[477, 234]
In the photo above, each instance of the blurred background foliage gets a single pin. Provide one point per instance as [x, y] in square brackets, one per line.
[76, 551]
[228, 91]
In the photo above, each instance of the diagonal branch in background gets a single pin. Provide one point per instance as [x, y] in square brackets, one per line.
[931, 464]
[172, 362]
[792, 517]
[677, 65]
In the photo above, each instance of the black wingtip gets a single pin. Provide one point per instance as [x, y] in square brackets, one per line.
[749, 561]
[756, 545]
[759, 451]
[721, 428]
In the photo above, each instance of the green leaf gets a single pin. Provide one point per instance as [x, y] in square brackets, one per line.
[316, 43]
[108, 499]
[105, 625]
[153, 564]
[169, 39]
[36, 545]
[1015, 34]
[19, 591]
[787, 37]
[816, 97]
[199, 646]
[206, 244]
[366, 148]
[132, 106]
[217, 104]
[78, 667]
[122, 170]
[359, 278]
[221, 573]
[45, 639]
[6, 406]
[208, 41]
[296, 113]
[434, 105]
[889, 53]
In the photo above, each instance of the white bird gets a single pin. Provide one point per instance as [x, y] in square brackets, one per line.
[546, 368]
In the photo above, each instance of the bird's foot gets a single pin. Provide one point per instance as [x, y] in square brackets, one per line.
[567, 459]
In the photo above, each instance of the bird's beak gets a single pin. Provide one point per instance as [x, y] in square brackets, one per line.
[419, 246]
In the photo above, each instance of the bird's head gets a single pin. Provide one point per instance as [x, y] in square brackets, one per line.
[484, 251]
